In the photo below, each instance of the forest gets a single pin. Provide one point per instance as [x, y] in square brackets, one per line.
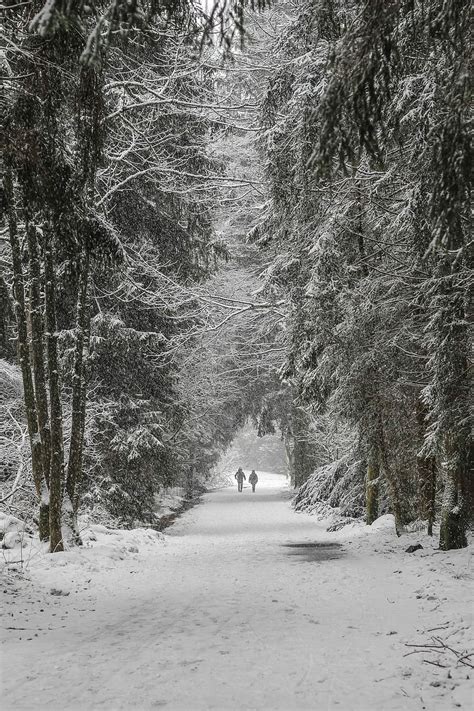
[236, 276]
[229, 213]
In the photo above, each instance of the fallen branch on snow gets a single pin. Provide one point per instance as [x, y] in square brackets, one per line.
[438, 645]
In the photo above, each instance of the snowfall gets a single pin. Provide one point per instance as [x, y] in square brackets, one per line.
[241, 604]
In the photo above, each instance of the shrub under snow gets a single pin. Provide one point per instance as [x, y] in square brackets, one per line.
[338, 486]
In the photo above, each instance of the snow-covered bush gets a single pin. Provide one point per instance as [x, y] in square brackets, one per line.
[14, 533]
[338, 486]
[11, 425]
[16, 487]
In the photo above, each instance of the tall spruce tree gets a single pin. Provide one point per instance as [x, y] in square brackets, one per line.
[370, 208]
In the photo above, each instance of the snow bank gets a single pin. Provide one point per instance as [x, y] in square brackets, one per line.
[102, 548]
[122, 539]
[383, 523]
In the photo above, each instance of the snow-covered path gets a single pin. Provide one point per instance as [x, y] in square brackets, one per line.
[225, 616]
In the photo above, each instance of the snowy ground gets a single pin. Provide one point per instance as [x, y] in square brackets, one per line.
[221, 614]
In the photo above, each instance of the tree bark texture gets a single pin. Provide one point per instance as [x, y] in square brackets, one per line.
[453, 387]
[455, 474]
[372, 486]
[74, 467]
[426, 474]
[290, 458]
[37, 346]
[23, 349]
[57, 445]
[393, 486]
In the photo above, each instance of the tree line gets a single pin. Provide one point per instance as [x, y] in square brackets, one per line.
[142, 144]
[108, 193]
[366, 138]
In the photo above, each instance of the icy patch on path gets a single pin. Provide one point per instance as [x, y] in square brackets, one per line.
[221, 617]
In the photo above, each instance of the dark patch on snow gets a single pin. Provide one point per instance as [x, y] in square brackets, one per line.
[412, 549]
[168, 519]
[315, 551]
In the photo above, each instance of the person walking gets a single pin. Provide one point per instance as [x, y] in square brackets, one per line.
[240, 476]
[253, 479]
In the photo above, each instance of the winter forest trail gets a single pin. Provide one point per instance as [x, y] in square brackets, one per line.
[225, 616]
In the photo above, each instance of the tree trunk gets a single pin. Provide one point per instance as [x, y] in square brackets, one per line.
[290, 458]
[303, 458]
[24, 351]
[455, 469]
[57, 446]
[74, 467]
[453, 388]
[394, 490]
[426, 471]
[427, 490]
[372, 486]
[37, 343]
